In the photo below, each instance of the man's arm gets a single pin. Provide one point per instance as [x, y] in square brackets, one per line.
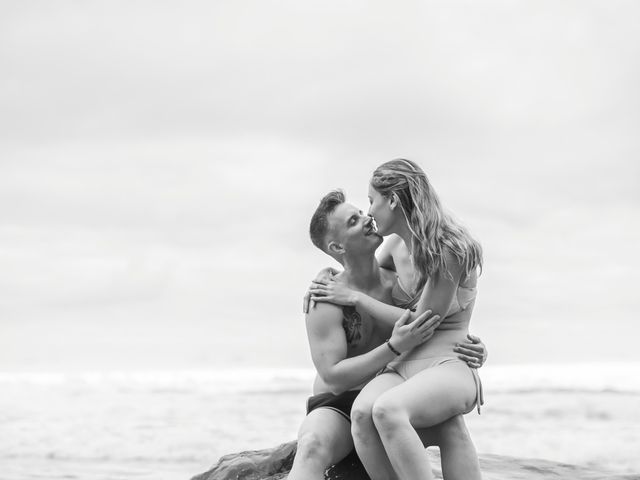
[328, 345]
[473, 351]
[384, 256]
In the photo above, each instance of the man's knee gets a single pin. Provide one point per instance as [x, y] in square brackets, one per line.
[387, 414]
[313, 445]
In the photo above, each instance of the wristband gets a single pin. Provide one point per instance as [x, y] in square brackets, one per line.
[391, 347]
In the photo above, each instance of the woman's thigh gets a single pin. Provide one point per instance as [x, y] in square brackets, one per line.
[433, 395]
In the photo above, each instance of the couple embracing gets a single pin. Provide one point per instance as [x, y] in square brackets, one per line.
[396, 366]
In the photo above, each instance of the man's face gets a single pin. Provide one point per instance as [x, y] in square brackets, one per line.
[353, 230]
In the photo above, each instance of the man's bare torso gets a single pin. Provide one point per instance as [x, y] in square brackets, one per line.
[363, 332]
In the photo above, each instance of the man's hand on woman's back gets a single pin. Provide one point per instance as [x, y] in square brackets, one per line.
[472, 351]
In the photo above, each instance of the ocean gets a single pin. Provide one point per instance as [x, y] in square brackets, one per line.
[173, 425]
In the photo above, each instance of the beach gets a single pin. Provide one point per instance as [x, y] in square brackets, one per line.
[173, 425]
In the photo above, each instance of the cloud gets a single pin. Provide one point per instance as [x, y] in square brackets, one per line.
[161, 159]
[343, 73]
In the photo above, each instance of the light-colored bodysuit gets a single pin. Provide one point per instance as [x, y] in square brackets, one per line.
[439, 349]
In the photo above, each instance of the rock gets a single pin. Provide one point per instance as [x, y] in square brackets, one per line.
[274, 464]
[269, 464]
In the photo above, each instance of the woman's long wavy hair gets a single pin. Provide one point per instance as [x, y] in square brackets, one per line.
[434, 231]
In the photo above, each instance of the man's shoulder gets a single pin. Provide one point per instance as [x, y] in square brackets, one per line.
[324, 318]
[324, 311]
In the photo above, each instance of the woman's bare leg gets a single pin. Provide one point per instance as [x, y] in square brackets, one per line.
[457, 451]
[365, 436]
[426, 399]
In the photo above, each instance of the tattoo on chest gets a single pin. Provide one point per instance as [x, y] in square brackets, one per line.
[352, 324]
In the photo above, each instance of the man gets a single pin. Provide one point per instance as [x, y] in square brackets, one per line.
[349, 347]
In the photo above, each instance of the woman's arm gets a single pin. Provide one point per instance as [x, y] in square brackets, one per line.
[324, 275]
[384, 256]
[436, 296]
[336, 292]
[441, 288]
[473, 351]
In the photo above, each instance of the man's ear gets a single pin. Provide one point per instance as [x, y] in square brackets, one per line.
[335, 248]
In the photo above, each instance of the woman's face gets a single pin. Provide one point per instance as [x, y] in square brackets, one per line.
[380, 210]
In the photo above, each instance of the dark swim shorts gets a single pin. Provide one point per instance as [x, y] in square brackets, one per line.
[340, 403]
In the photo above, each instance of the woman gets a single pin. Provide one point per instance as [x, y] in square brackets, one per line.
[436, 261]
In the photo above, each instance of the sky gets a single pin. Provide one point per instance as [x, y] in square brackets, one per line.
[160, 162]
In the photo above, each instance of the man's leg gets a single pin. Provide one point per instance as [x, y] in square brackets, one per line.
[324, 439]
[457, 452]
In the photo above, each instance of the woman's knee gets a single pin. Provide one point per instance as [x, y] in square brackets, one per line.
[388, 414]
[361, 422]
[361, 413]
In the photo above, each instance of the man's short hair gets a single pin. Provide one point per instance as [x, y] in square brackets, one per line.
[319, 226]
